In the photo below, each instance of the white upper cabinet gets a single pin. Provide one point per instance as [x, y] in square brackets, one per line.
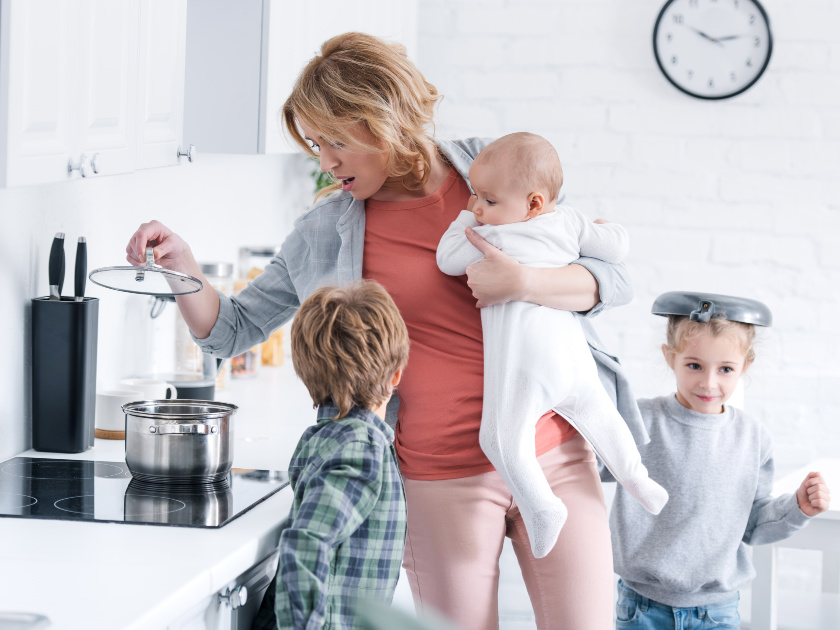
[89, 87]
[242, 61]
[163, 25]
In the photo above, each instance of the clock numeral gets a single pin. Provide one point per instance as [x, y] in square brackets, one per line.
[674, 59]
[711, 83]
[732, 76]
[749, 63]
[752, 18]
[678, 18]
[757, 42]
[669, 37]
[691, 74]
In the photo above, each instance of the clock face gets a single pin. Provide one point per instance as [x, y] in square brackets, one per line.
[712, 48]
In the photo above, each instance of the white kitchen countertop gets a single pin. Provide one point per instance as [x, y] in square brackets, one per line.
[113, 575]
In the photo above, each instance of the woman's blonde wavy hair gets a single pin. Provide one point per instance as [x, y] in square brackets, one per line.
[359, 78]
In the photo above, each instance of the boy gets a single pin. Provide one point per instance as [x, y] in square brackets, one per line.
[345, 535]
[535, 357]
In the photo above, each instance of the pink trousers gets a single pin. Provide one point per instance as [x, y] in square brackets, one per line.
[456, 529]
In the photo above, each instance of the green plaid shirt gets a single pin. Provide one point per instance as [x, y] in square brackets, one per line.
[345, 535]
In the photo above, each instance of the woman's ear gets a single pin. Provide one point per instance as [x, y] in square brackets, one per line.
[536, 204]
[669, 355]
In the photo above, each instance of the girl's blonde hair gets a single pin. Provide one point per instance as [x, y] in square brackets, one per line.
[681, 330]
[358, 78]
[347, 344]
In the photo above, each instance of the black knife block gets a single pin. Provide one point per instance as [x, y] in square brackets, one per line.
[64, 335]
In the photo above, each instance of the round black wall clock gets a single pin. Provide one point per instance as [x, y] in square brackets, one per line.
[712, 49]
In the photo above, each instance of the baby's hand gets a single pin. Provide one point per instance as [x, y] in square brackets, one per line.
[813, 495]
[601, 221]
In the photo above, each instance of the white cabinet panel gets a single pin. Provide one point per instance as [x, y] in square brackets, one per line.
[161, 94]
[39, 82]
[107, 85]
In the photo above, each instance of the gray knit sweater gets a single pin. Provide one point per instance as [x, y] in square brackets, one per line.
[718, 470]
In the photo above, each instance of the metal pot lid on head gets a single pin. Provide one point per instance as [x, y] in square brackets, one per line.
[701, 307]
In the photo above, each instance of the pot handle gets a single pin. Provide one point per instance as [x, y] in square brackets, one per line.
[179, 429]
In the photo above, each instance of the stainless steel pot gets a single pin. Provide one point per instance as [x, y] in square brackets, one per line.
[181, 440]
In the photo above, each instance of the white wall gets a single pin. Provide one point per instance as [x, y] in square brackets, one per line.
[217, 204]
[738, 197]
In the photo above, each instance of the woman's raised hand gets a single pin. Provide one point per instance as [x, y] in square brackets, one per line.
[171, 251]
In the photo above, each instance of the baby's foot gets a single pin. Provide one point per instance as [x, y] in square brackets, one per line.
[650, 494]
[544, 528]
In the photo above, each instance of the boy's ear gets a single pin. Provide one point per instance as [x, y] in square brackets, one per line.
[396, 378]
[536, 203]
[669, 355]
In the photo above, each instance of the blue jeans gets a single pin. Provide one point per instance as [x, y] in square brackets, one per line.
[640, 613]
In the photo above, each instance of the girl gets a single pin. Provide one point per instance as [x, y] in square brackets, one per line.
[366, 112]
[684, 567]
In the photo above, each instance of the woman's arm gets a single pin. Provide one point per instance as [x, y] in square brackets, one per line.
[587, 285]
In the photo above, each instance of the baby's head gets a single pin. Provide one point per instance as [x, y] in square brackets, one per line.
[349, 346]
[515, 178]
[708, 359]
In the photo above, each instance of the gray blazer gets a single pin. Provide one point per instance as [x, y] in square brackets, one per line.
[325, 247]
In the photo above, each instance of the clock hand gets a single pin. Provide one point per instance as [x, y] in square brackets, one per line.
[723, 39]
[702, 34]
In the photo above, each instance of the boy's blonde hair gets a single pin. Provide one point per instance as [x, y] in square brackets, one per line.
[347, 344]
[531, 159]
[681, 329]
[358, 78]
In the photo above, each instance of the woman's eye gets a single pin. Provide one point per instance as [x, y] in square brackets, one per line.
[313, 145]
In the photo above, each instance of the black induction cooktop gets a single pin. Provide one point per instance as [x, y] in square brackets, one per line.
[85, 490]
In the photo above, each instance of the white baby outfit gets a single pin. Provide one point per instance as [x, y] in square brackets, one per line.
[536, 358]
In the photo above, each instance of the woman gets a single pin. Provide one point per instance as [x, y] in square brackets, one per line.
[365, 110]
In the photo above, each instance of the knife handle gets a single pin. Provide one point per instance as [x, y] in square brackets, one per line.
[56, 265]
[81, 268]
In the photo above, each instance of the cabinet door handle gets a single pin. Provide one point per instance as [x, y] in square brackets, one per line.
[86, 166]
[191, 153]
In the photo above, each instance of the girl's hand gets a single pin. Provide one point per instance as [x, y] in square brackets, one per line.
[171, 252]
[813, 496]
[496, 279]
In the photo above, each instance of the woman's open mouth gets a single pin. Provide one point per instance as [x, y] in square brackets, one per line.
[347, 184]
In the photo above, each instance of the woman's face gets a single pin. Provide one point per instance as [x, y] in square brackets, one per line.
[361, 173]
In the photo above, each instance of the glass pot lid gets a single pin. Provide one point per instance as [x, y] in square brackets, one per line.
[150, 279]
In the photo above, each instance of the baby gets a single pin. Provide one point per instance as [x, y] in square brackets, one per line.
[535, 357]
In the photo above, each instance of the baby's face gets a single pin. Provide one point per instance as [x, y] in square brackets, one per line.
[496, 198]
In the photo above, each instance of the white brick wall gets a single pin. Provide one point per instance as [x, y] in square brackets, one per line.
[740, 196]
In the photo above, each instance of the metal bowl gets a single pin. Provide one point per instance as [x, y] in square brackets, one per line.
[186, 440]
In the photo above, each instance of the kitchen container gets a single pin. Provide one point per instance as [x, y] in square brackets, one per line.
[179, 441]
[64, 343]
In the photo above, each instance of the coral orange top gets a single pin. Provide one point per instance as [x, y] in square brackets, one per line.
[442, 387]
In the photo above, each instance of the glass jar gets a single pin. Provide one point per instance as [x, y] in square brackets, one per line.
[220, 276]
[252, 262]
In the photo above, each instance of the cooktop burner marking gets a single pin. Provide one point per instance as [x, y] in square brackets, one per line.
[78, 505]
[59, 469]
[11, 501]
